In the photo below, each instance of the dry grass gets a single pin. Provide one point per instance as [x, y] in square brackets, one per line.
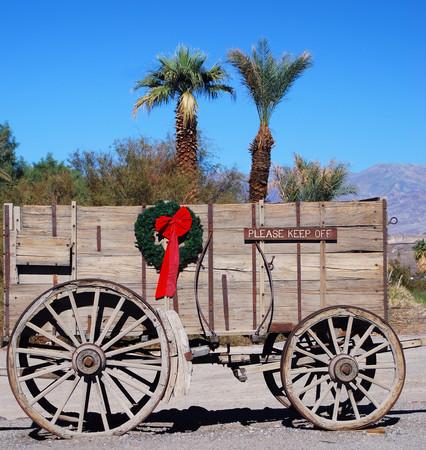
[407, 316]
[400, 297]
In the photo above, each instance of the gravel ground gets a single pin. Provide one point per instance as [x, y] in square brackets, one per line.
[221, 412]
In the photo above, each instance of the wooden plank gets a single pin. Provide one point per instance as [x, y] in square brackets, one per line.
[385, 261]
[338, 265]
[350, 239]
[42, 250]
[298, 268]
[73, 232]
[225, 301]
[14, 277]
[114, 242]
[323, 270]
[43, 279]
[120, 269]
[37, 220]
[7, 224]
[253, 268]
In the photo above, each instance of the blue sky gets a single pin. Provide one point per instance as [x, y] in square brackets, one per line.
[68, 67]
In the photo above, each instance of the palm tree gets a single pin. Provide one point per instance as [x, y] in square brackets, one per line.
[268, 81]
[308, 181]
[182, 78]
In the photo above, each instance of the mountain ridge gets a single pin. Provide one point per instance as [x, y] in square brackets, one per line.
[404, 187]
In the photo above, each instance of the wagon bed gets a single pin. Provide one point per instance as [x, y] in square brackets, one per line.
[47, 245]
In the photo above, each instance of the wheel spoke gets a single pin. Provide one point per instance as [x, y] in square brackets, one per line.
[94, 315]
[50, 369]
[123, 333]
[322, 397]
[132, 347]
[353, 403]
[66, 399]
[61, 323]
[348, 334]
[113, 316]
[337, 402]
[362, 339]
[84, 404]
[333, 335]
[136, 385]
[372, 380]
[117, 394]
[367, 394]
[52, 386]
[55, 354]
[314, 384]
[311, 355]
[77, 317]
[101, 404]
[372, 351]
[320, 343]
[308, 370]
[377, 366]
[50, 336]
[118, 363]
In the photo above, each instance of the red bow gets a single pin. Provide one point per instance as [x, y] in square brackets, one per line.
[171, 228]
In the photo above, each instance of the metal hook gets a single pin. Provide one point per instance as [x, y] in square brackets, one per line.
[393, 220]
[271, 263]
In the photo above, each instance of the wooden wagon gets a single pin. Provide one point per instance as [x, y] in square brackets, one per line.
[91, 351]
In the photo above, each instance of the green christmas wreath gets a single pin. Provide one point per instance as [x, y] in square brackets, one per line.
[150, 247]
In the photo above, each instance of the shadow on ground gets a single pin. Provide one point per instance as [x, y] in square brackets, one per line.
[195, 417]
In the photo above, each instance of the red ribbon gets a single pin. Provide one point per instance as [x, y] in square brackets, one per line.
[171, 228]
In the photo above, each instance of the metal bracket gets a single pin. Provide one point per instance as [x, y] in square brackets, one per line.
[240, 374]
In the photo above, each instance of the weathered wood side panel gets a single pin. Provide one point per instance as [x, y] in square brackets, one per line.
[99, 242]
[42, 250]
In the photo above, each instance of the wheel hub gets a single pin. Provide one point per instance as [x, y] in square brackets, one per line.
[89, 360]
[343, 368]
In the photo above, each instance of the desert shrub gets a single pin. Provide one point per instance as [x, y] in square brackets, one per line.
[398, 274]
[310, 182]
[400, 297]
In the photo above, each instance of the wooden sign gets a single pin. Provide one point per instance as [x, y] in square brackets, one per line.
[291, 234]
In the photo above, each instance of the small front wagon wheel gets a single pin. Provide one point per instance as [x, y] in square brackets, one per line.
[88, 357]
[343, 368]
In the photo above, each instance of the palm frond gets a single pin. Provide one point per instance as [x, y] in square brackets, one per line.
[178, 75]
[308, 181]
[266, 78]
[188, 107]
[156, 96]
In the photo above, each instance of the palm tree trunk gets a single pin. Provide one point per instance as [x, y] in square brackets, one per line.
[186, 154]
[260, 150]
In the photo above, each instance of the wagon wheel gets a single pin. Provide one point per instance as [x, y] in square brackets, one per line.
[343, 368]
[88, 357]
[272, 350]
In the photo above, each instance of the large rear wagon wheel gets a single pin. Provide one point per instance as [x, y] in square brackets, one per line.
[343, 368]
[88, 357]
